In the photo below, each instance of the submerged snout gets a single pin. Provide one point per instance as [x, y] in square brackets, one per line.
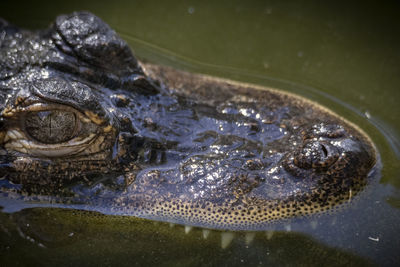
[330, 149]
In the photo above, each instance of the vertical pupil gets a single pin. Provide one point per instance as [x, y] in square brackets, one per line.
[51, 127]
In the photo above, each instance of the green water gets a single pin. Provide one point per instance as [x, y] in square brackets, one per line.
[343, 55]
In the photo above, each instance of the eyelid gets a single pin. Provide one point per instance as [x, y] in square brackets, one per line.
[70, 147]
[37, 107]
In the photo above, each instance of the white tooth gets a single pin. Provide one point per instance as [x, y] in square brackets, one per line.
[269, 234]
[188, 229]
[314, 224]
[288, 227]
[206, 233]
[6, 138]
[226, 239]
[249, 237]
[171, 225]
[350, 195]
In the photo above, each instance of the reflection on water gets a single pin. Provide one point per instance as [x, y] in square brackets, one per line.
[56, 234]
[344, 57]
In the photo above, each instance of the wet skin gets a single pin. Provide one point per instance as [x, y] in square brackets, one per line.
[83, 122]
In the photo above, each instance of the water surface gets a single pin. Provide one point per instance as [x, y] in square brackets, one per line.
[344, 56]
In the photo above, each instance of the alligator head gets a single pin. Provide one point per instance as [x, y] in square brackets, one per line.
[82, 121]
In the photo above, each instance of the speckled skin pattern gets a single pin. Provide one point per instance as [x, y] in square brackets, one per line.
[83, 122]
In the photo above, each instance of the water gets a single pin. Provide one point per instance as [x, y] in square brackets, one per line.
[342, 55]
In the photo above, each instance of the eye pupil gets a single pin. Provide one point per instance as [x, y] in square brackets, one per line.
[51, 127]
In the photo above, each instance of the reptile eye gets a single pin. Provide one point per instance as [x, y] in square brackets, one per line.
[51, 127]
[54, 130]
[316, 155]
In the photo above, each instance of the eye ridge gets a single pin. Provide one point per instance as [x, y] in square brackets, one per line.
[51, 126]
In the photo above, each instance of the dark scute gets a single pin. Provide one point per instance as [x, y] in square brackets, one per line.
[67, 92]
[140, 84]
[95, 42]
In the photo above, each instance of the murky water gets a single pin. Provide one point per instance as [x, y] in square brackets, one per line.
[345, 57]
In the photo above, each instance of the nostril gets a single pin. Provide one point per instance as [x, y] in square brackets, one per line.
[315, 155]
[324, 150]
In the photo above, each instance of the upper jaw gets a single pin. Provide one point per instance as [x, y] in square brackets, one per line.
[327, 149]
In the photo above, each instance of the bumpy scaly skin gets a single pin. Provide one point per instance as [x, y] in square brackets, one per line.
[159, 143]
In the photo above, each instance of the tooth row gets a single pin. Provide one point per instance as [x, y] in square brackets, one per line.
[227, 237]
